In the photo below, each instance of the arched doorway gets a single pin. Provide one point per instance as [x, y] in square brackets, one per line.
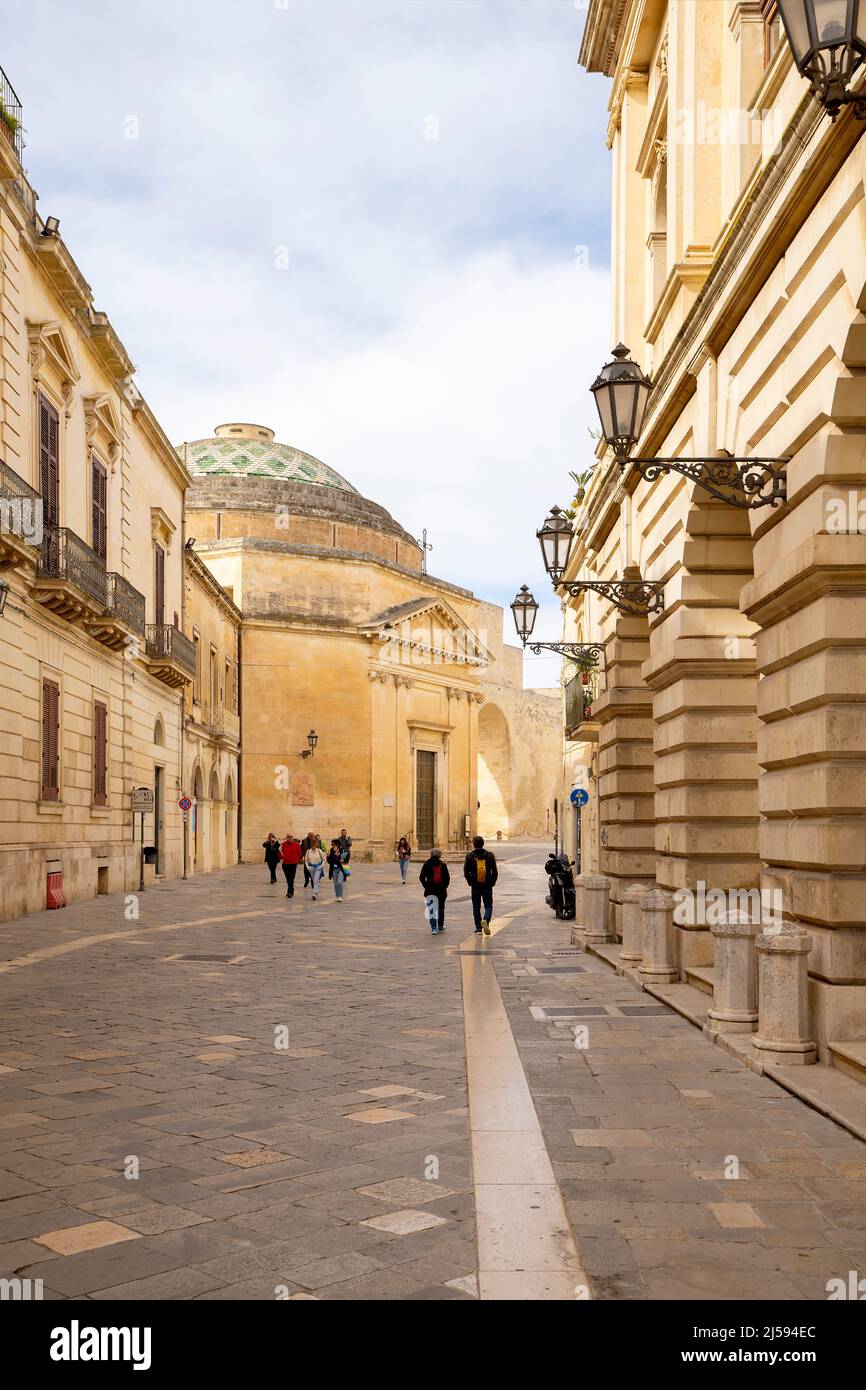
[494, 774]
[216, 836]
[231, 810]
[198, 820]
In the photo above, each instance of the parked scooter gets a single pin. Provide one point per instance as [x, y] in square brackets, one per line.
[562, 890]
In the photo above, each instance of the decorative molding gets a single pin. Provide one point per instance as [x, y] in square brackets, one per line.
[162, 527]
[628, 78]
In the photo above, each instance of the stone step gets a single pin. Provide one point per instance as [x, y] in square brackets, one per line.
[701, 977]
[849, 1057]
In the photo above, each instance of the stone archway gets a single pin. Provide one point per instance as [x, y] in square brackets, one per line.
[198, 824]
[216, 836]
[494, 774]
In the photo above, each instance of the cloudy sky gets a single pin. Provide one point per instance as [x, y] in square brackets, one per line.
[378, 226]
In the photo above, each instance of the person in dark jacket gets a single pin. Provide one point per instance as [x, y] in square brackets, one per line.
[481, 873]
[435, 879]
[271, 847]
[336, 869]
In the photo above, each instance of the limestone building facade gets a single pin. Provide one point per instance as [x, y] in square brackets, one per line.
[729, 742]
[421, 722]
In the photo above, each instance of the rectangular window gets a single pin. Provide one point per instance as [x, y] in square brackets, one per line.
[100, 754]
[158, 585]
[772, 28]
[49, 461]
[213, 683]
[99, 509]
[50, 741]
[196, 689]
[227, 685]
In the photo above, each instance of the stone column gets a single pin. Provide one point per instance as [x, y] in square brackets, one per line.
[593, 927]
[632, 922]
[658, 966]
[625, 764]
[735, 988]
[783, 1001]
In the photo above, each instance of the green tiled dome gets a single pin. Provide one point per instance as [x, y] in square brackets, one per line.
[251, 451]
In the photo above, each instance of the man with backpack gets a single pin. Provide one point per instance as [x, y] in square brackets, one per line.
[481, 873]
[435, 878]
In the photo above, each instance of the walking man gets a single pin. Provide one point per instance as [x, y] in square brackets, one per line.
[435, 879]
[481, 873]
[345, 845]
[290, 854]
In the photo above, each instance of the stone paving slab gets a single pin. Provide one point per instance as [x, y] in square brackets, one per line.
[648, 1124]
[269, 1107]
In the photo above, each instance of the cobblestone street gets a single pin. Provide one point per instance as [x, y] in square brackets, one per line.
[289, 1083]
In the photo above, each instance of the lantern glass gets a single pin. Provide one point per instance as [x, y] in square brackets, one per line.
[525, 610]
[796, 24]
[555, 538]
[621, 392]
[830, 22]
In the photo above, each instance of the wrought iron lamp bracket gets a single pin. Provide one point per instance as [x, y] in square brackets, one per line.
[740, 482]
[589, 656]
[632, 596]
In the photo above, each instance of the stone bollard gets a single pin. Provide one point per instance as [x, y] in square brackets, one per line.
[657, 966]
[596, 909]
[632, 923]
[735, 986]
[783, 1001]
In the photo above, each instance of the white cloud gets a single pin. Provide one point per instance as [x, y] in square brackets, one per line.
[432, 338]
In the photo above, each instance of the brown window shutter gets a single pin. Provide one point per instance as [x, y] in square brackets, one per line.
[99, 508]
[49, 461]
[100, 754]
[159, 577]
[50, 740]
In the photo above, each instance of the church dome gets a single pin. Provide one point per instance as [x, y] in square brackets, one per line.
[250, 451]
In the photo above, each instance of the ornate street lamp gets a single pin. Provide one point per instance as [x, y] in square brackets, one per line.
[525, 609]
[622, 393]
[555, 538]
[4, 594]
[828, 41]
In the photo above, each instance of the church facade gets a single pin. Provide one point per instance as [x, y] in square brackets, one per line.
[373, 696]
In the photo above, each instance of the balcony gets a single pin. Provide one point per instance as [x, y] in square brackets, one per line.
[123, 619]
[20, 520]
[170, 656]
[223, 724]
[581, 692]
[11, 130]
[71, 578]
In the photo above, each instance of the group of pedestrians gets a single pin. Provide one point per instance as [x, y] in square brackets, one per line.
[479, 870]
[311, 853]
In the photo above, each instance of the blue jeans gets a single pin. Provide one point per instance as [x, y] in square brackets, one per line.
[315, 872]
[482, 893]
[404, 869]
[339, 882]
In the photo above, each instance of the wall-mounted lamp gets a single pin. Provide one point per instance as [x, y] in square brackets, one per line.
[50, 226]
[312, 740]
[4, 594]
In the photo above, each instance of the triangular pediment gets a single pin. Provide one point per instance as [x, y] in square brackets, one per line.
[49, 341]
[100, 413]
[429, 626]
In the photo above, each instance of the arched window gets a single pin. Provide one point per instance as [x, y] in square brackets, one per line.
[159, 732]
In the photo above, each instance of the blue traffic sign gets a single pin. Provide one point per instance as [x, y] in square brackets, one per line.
[579, 797]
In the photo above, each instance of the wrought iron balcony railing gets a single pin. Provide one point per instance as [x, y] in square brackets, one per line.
[580, 696]
[21, 507]
[11, 113]
[125, 603]
[220, 721]
[64, 555]
[166, 643]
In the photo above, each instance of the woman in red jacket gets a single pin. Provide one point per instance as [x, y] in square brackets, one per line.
[290, 854]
